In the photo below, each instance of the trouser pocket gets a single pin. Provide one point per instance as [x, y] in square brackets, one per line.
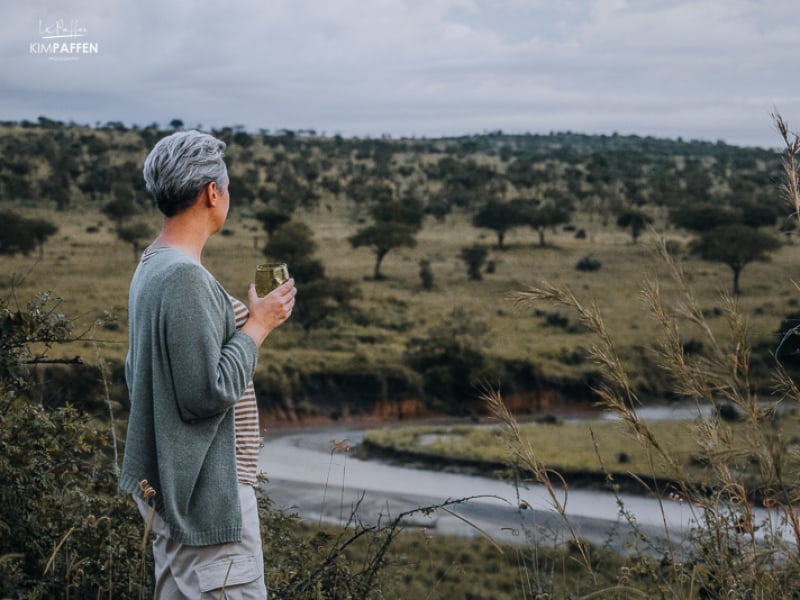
[231, 578]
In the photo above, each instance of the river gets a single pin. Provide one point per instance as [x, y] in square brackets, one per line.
[309, 472]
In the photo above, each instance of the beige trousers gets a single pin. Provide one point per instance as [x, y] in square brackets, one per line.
[230, 571]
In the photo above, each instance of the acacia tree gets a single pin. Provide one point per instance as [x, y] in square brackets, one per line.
[465, 182]
[701, 217]
[383, 238]
[56, 188]
[635, 220]
[395, 226]
[543, 217]
[500, 217]
[735, 245]
[290, 192]
[271, 219]
[361, 189]
[41, 230]
[135, 234]
[119, 210]
[13, 236]
[321, 299]
[19, 235]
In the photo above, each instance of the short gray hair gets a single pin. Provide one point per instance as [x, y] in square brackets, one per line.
[180, 165]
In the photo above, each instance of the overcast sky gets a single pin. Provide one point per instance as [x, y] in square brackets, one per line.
[697, 69]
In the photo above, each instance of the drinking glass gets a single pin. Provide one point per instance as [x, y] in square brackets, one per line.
[269, 276]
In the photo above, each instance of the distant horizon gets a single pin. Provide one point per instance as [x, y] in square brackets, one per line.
[317, 133]
[705, 70]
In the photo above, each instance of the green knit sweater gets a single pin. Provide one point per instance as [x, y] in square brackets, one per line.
[187, 365]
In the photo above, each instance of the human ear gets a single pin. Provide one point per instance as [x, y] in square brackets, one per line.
[212, 193]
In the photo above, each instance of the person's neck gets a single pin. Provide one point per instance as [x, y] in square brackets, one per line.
[184, 234]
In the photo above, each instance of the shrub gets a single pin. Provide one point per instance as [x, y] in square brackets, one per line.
[727, 411]
[474, 256]
[66, 532]
[588, 263]
[426, 274]
[451, 361]
[693, 346]
[556, 319]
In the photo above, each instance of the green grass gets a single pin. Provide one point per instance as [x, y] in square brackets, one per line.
[420, 564]
[596, 447]
[92, 271]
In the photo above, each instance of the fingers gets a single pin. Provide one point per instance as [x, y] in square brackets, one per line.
[287, 285]
[285, 295]
[289, 300]
[286, 292]
[270, 311]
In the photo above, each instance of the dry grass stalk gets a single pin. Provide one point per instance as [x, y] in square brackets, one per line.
[734, 558]
[616, 391]
[148, 492]
[525, 459]
[52, 559]
[791, 169]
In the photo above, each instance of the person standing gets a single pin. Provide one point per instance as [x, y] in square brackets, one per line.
[190, 450]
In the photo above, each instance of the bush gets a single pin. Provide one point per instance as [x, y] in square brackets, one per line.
[588, 263]
[66, 532]
[474, 256]
[728, 412]
[556, 319]
[426, 274]
[62, 515]
[451, 361]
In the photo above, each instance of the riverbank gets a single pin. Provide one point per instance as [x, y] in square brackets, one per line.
[576, 479]
[406, 442]
[280, 423]
[318, 474]
[601, 454]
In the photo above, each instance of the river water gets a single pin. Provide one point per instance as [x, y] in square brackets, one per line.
[309, 472]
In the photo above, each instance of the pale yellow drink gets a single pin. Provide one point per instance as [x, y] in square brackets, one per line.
[269, 276]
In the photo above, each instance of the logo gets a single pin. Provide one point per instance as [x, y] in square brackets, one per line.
[63, 40]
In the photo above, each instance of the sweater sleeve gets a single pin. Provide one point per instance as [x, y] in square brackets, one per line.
[210, 368]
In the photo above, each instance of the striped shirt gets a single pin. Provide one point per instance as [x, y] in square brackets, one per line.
[245, 415]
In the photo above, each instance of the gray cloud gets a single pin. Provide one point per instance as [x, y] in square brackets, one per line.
[702, 69]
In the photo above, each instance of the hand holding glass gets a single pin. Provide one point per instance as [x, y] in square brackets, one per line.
[269, 276]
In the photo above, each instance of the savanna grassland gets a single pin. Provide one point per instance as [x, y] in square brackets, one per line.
[91, 273]
[326, 184]
[435, 277]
